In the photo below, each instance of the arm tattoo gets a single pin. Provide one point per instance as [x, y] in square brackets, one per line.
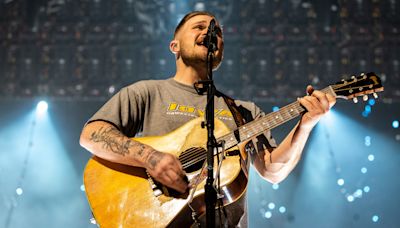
[154, 158]
[115, 141]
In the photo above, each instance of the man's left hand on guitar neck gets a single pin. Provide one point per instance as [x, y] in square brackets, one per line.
[276, 165]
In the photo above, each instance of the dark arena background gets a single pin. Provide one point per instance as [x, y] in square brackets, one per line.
[60, 60]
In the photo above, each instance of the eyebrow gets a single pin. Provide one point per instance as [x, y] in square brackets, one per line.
[218, 27]
[199, 22]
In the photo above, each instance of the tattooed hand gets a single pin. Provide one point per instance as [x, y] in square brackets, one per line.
[167, 169]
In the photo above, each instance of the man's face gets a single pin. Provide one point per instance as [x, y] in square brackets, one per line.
[191, 37]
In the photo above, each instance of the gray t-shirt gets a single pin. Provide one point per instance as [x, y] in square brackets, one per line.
[157, 107]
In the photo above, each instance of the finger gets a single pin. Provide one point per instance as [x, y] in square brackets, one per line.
[323, 100]
[331, 100]
[177, 183]
[309, 90]
[308, 103]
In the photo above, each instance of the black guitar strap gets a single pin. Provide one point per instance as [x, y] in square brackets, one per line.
[237, 116]
[239, 120]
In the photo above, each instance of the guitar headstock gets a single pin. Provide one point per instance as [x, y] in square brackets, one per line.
[362, 85]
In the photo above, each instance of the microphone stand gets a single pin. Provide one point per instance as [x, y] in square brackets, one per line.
[210, 192]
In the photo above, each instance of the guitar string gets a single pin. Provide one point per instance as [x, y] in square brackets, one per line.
[199, 154]
[188, 152]
[253, 128]
[192, 156]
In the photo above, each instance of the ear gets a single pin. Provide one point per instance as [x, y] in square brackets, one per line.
[174, 46]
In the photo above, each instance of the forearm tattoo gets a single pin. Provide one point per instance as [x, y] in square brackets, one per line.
[112, 139]
[153, 159]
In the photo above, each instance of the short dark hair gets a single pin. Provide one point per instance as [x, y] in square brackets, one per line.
[188, 16]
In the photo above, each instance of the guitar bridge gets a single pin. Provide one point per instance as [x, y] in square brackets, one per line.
[154, 186]
[159, 189]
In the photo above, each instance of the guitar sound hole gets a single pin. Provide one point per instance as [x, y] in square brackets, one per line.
[192, 159]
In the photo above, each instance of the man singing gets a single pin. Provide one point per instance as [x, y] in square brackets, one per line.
[157, 107]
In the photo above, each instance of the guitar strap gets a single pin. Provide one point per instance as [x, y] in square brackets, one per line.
[239, 120]
[237, 116]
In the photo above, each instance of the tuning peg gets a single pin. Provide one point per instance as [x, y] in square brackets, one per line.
[365, 97]
[355, 100]
[375, 95]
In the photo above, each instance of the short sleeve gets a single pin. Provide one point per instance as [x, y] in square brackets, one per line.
[124, 110]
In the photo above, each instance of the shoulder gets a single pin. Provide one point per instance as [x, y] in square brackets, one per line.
[250, 107]
[145, 86]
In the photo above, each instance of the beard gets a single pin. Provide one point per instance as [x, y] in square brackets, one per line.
[198, 58]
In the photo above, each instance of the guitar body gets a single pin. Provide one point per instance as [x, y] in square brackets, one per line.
[123, 196]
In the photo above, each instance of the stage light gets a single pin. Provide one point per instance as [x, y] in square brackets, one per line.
[275, 186]
[111, 89]
[82, 188]
[395, 124]
[371, 157]
[340, 182]
[19, 191]
[268, 214]
[371, 102]
[282, 209]
[350, 198]
[42, 107]
[364, 170]
[367, 141]
[366, 189]
[367, 108]
[271, 206]
[375, 218]
[358, 193]
[275, 108]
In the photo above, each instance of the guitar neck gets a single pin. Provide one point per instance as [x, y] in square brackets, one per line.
[265, 123]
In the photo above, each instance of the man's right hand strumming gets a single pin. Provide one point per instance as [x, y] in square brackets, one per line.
[167, 169]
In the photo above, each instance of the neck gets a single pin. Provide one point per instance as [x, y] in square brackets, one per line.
[189, 74]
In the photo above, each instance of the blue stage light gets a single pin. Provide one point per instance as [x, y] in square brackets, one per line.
[42, 107]
[268, 214]
[19, 191]
[367, 141]
[371, 101]
[350, 198]
[275, 108]
[375, 218]
[282, 209]
[367, 108]
[371, 157]
[340, 182]
[364, 170]
[358, 193]
[395, 124]
[271, 206]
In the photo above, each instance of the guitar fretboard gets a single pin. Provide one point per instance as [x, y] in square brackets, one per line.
[265, 123]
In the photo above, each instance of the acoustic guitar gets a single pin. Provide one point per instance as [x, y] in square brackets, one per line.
[126, 196]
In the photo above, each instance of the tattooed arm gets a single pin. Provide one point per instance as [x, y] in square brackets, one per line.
[106, 141]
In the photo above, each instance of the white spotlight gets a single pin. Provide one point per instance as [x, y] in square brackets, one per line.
[41, 107]
[19, 191]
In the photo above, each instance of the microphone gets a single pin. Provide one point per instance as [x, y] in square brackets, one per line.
[210, 41]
